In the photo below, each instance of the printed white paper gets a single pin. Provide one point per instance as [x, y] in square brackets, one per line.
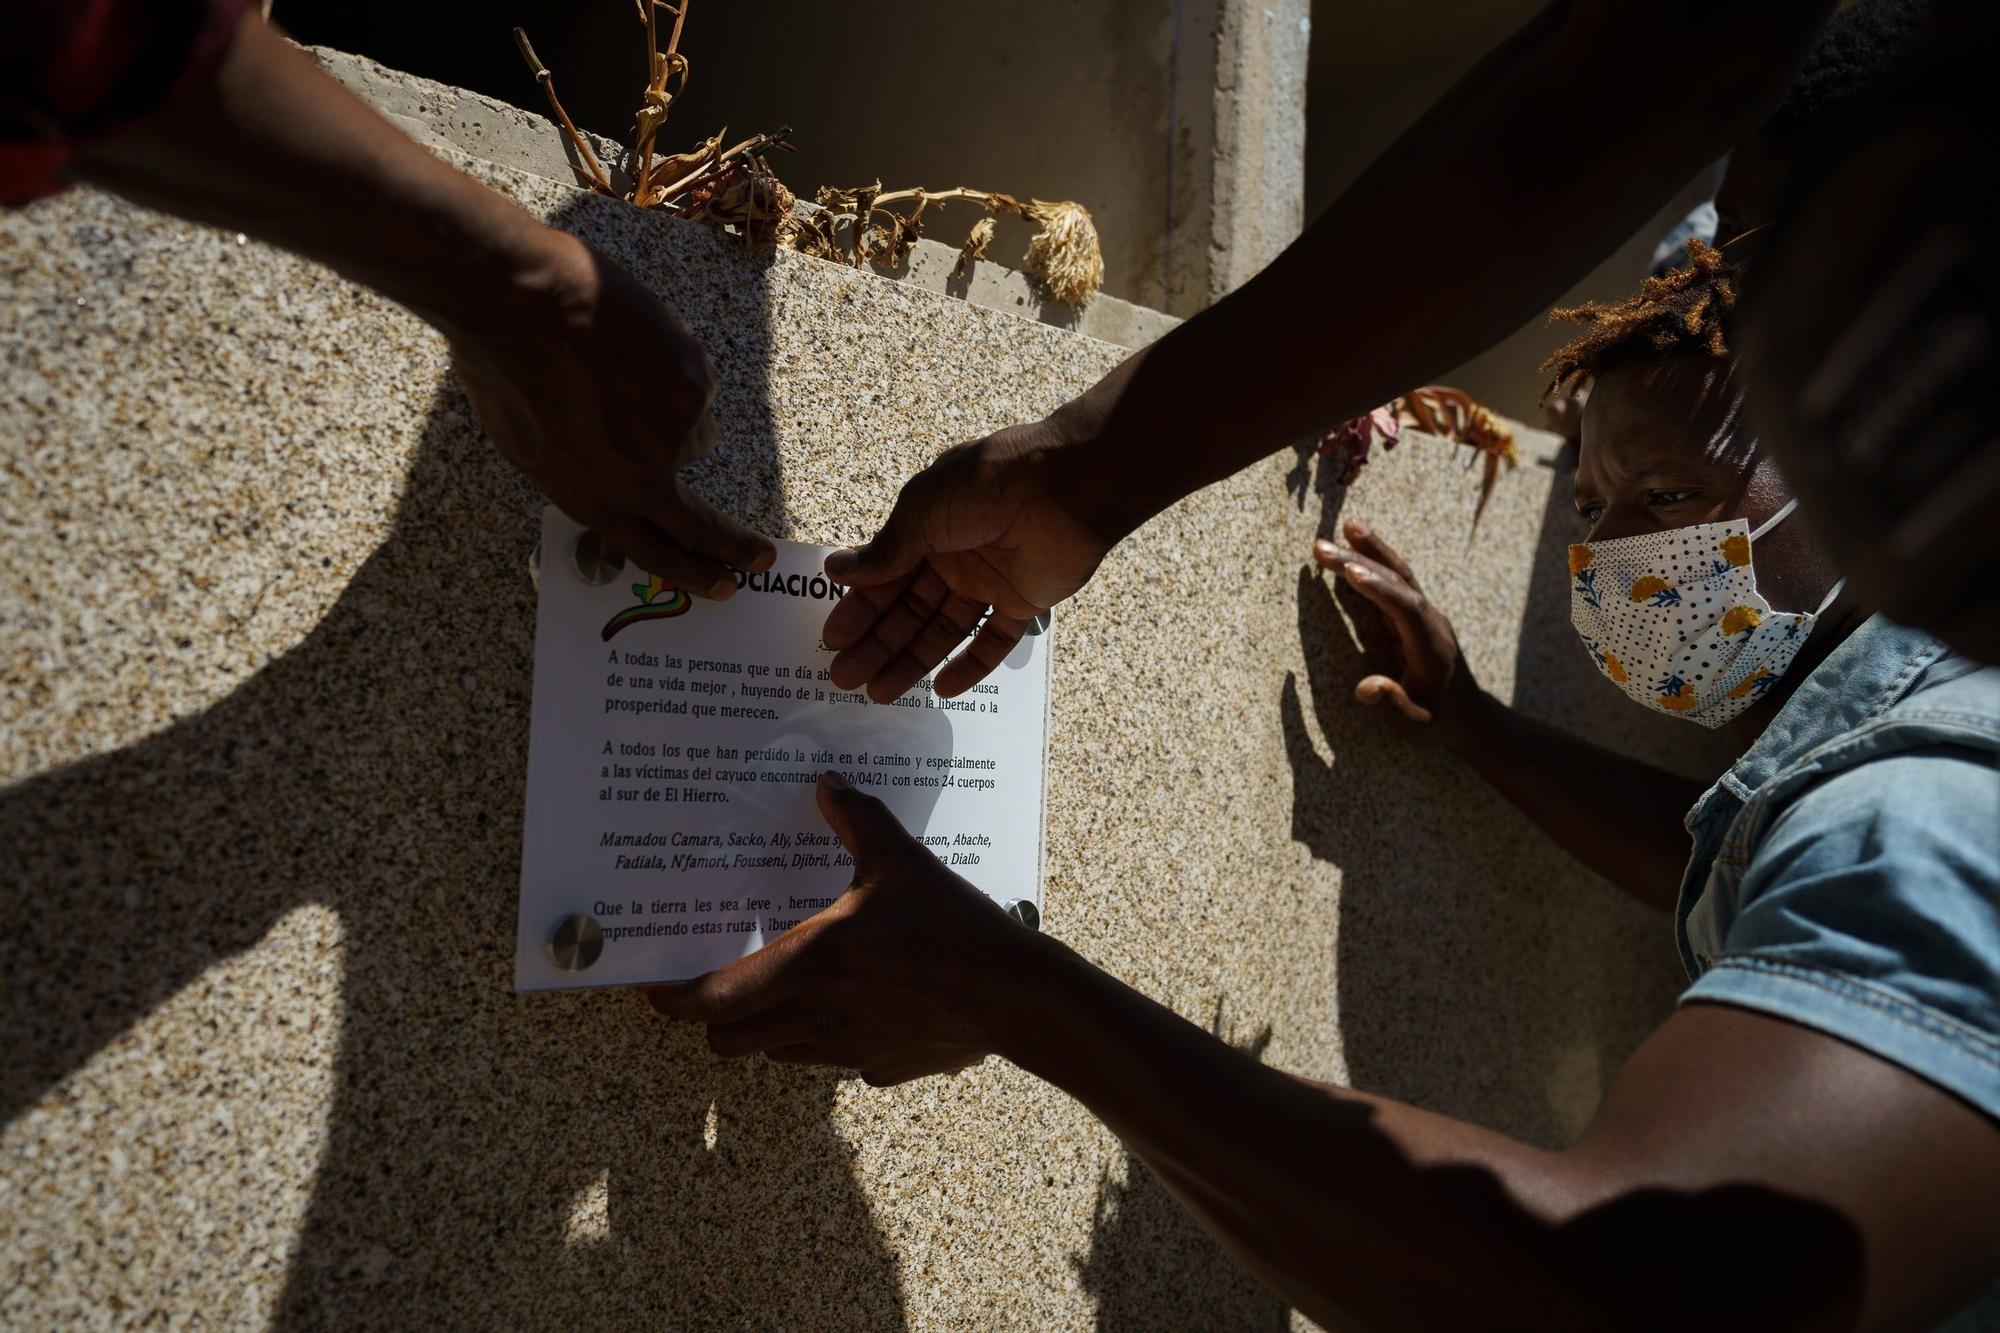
[673, 749]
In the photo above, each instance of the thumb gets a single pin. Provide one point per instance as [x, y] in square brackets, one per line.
[1372, 690]
[895, 551]
[862, 823]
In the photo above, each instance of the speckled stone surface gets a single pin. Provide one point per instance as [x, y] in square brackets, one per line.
[265, 628]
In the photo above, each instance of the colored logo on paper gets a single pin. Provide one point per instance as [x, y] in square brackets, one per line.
[658, 600]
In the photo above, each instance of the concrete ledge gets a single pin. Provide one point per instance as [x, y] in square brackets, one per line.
[440, 116]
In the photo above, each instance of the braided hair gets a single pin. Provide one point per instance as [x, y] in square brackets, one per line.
[1687, 309]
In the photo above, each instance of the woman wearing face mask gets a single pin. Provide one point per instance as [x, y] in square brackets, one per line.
[1810, 1142]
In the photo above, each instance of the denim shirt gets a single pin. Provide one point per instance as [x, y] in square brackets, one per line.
[1846, 870]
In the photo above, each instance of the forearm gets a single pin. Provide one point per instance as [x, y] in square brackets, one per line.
[1620, 817]
[1553, 150]
[1347, 1205]
[272, 146]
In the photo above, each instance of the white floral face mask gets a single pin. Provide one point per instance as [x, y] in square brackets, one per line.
[1675, 620]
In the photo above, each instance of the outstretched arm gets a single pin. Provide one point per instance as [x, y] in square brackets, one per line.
[1742, 1172]
[583, 378]
[1552, 151]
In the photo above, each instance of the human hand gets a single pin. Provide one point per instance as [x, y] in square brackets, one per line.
[978, 533]
[600, 394]
[1429, 688]
[901, 977]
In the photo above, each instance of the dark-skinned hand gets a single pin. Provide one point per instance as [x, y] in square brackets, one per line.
[899, 978]
[1429, 689]
[977, 545]
[601, 394]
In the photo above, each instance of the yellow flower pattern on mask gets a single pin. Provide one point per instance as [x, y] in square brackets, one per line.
[1735, 548]
[1614, 668]
[1749, 682]
[1579, 559]
[1737, 619]
[1681, 700]
[1648, 585]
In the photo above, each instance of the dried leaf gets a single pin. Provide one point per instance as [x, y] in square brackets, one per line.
[746, 195]
[816, 234]
[975, 245]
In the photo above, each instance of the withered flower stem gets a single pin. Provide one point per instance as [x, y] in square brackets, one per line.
[660, 66]
[596, 178]
[755, 144]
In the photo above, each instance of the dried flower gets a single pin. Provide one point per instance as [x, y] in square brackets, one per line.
[675, 167]
[1064, 253]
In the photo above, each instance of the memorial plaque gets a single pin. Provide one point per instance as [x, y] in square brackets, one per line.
[674, 746]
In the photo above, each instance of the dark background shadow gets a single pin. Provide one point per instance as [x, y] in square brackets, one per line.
[377, 768]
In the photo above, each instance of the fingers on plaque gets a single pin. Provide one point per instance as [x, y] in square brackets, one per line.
[895, 628]
[945, 630]
[857, 612]
[988, 649]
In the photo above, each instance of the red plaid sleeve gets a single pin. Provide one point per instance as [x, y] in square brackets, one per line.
[73, 69]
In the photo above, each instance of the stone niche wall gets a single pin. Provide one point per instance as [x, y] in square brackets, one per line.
[265, 625]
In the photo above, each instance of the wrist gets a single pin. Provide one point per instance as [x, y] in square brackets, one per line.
[514, 277]
[1036, 1002]
[1101, 477]
[1477, 720]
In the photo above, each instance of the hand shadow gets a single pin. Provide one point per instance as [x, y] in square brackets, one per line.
[377, 767]
[1472, 978]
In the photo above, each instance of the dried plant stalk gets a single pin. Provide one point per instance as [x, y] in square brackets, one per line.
[661, 66]
[736, 187]
[596, 179]
[1063, 255]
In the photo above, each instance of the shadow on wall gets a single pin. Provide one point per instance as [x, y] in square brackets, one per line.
[377, 768]
[1468, 983]
[1316, 477]
[1148, 1254]
[1481, 972]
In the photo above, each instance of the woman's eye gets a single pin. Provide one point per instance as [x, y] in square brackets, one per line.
[1590, 512]
[1668, 497]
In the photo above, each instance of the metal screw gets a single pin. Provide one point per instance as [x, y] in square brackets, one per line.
[576, 942]
[593, 564]
[1024, 911]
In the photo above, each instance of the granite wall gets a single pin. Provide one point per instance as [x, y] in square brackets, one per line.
[265, 624]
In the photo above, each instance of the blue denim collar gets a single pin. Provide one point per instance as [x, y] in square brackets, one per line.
[1862, 678]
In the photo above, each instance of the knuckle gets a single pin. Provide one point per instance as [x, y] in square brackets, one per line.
[715, 1004]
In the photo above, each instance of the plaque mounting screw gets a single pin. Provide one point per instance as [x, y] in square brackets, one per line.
[591, 563]
[1024, 911]
[576, 942]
